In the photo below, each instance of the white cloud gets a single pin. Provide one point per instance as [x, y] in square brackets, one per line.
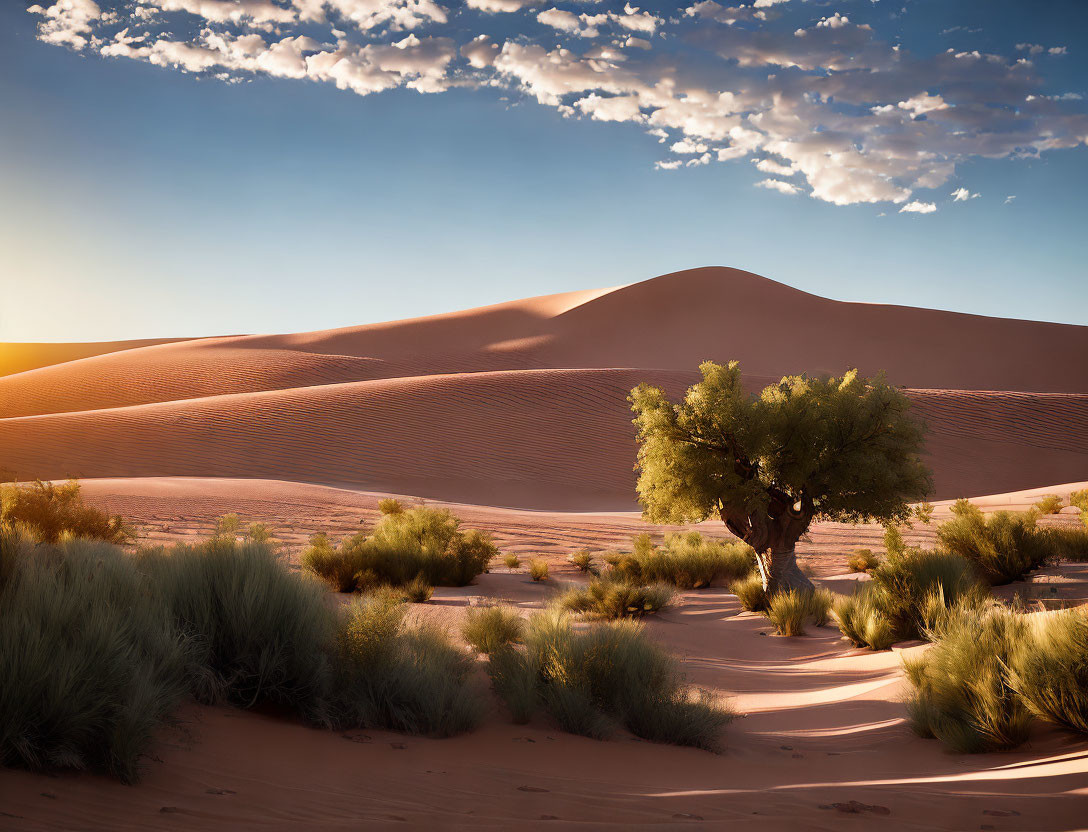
[962, 195]
[923, 103]
[687, 146]
[778, 185]
[1009, 199]
[480, 52]
[67, 22]
[612, 108]
[672, 164]
[918, 208]
[497, 6]
[774, 168]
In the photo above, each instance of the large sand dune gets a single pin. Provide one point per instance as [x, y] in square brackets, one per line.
[523, 404]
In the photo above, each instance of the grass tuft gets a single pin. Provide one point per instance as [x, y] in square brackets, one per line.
[1050, 669]
[50, 513]
[862, 560]
[687, 561]
[538, 570]
[613, 598]
[489, 629]
[750, 593]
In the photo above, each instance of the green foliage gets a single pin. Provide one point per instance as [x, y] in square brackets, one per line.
[228, 525]
[1079, 499]
[893, 540]
[904, 582]
[687, 561]
[923, 512]
[610, 598]
[963, 691]
[608, 674]
[406, 544]
[51, 512]
[583, 560]
[787, 611]
[1066, 542]
[965, 508]
[1050, 669]
[1005, 546]
[538, 570]
[418, 591]
[90, 662]
[820, 602]
[862, 560]
[750, 593]
[512, 561]
[1050, 504]
[259, 533]
[390, 505]
[489, 629]
[844, 449]
[862, 621]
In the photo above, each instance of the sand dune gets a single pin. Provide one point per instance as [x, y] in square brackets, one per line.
[20, 357]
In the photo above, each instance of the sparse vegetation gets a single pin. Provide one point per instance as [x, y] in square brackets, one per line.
[1005, 545]
[862, 560]
[749, 591]
[584, 561]
[418, 591]
[50, 513]
[820, 603]
[611, 598]
[788, 611]
[1079, 499]
[591, 680]
[407, 543]
[687, 561]
[1068, 543]
[490, 628]
[538, 570]
[861, 620]
[1050, 668]
[1050, 504]
[512, 561]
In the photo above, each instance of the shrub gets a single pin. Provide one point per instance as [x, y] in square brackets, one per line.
[612, 598]
[687, 561]
[590, 680]
[862, 560]
[787, 611]
[1067, 543]
[1005, 546]
[90, 663]
[1079, 499]
[390, 505]
[488, 629]
[538, 570]
[904, 582]
[963, 693]
[512, 562]
[1050, 669]
[861, 620]
[893, 540]
[259, 533]
[51, 512]
[406, 543]
[1050, 504]
[418, 591]
[227, 526]
[583, 560]
[923, 512]
[750, 593]
[820, 602]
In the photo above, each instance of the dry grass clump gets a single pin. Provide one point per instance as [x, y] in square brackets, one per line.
[418, 591]
[591, 681]
[584, 561]
[750, 593]
[50, 513]
[1068, 543]
[490, 628]
[512, 561]
[538, 570]
[963, 690]
[1005, 546]
[1050, 669]
[419, 542]
[1050, 504]
[687, 561]
[611, 598]
[862, 560]
[789, 610]
[1079, 499]
[861, 620]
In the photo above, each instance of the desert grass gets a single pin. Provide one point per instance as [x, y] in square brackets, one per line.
[788, 611]
[592, 681]
[1068, 542]
[512, 561]
[406, 544]
[1050, 669]
[862, 621]
[538, 570]
[1005, 545]
[584, 561]
[50, 512]
[1050, 504]
[862, 560]
[610, 598]
[749, 591]
[418, 591]
[963, 691]
[490, 628]
[687, 561]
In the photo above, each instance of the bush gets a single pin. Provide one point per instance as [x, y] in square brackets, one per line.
[787, 611]
[611, 598]
[862, 621]
[50, 512]
[1079, 499]
[488, 629]
[750, 593]
[687, 561]
[904, 582]
[1050, 504]
[390, 505]
[584, 561]
[590, 680]
[820, 602]
[1067, 543]
[538, 570]
[1005, 546]
[862, 560]
[406, 544]
[418, 591]
[90, 663]
[1050, 669]
[512, 562]
[963, 693]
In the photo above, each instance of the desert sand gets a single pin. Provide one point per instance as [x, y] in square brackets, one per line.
[514, 416]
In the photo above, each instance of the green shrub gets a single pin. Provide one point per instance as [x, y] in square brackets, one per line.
[1005, 546]
[1067, 542]
[788, 611]
[904, 582]
[1050, 669]
[259, 533]
[90, 662]
[963, 693]
[862, 560]
[1079, 499]
[488, 629]
[861, 620]
[750, 593]
[227, 526]
[538, 570]
[512, 562]
[687, 561]
[1050, 504]
[591, 680]
[51, 512]
[923, 512]
[820, 602]
[406, 543]
[418, 591]
[893, 540]
[390, 505]
[583, 560]
[611, 598]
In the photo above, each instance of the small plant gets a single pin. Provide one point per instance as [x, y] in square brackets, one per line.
[820, 602]
[612, 598]
[1050, 504]
[687, 561]
[787, 611]
[418, 591]
[489, 629]
[863, 560]
[963, 691]
[538, 570]
[390, 505]
[923, 513]
[1050, 669]
[259, 533]
[1005, 546]
[512, 561]
[1067, 543]
[1079, 499]
[893, 540]
[583, 560]
[861, 620]
[51, 512]
[750, 593]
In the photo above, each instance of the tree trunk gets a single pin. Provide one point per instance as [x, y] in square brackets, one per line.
[780, 571]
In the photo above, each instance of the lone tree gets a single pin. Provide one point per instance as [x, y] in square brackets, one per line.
[844, 449]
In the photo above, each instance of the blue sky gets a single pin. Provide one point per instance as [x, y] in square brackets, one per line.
[193, 167]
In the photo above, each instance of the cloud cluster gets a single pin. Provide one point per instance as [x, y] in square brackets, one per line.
[831, 108]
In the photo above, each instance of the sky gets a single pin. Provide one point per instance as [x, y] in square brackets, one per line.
[198, 167]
